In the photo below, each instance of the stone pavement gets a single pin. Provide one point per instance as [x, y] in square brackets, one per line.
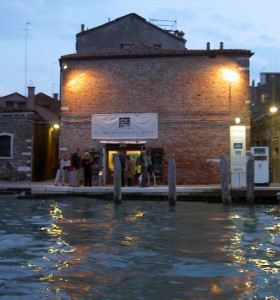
[184, 192]
[48, 188]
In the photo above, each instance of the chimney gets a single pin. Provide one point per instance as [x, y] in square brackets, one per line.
[55, 96]
[208, 46]
[221, 45]
[82, 27]
[31, 98]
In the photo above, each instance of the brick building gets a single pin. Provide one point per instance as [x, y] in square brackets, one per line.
[265, 124]
[28, 142]
[132, 83]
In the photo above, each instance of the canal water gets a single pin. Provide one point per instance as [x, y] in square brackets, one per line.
[82, 248]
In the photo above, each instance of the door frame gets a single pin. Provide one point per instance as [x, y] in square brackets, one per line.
[109, 178]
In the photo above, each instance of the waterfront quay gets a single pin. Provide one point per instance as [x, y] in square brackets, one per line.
[207, 193]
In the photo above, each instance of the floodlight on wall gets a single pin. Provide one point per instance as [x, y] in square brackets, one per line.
[231, 76]
[64, 66]
[237, 120]
[273, 109]
[56, 126]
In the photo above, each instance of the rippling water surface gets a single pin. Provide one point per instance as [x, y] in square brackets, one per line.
[80, 248]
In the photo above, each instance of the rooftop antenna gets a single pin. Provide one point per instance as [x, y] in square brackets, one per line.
[168, 25]
[26, 38]
[53, 80]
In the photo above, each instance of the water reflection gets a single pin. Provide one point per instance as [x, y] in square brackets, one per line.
[89, 249]
[251, 245]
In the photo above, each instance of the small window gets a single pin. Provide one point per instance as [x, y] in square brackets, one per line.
[126, 45]
[21, 105]
[10, 104]
[6, 143]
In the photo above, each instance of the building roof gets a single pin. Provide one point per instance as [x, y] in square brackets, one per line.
[47, 102]
[46, 107]
[141, 51]
[131, 15]
[13, 96]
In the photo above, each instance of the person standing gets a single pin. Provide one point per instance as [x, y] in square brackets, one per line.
[87, 163]
[130, 170]
[69, 170]
[144, 166]
[60, 173]
[76, 163]
[150, 170]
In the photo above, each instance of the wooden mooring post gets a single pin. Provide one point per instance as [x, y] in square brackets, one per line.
[117, 179]
[226, 198]
[172, 197]
[250, 197]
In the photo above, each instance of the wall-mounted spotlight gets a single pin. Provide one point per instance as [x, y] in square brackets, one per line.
[273, 109]
[64, 66]
[237, 120]
[232, 77]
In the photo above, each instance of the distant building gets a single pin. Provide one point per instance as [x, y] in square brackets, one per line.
[265, 125]
[126, 32]
[28, 142]
[132, 84]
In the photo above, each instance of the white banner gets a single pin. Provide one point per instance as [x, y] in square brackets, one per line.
[124, 126]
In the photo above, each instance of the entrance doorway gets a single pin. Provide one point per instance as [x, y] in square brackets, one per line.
[132, 151]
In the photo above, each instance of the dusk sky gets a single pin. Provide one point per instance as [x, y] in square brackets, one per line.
[240, 24]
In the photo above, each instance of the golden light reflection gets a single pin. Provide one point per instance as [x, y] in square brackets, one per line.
[265, 265]
[139, 214]
[129, 240]
[274, 230]
[58, 255]
[234, 217]
[270, 252]
[36, 268]
[237, 238]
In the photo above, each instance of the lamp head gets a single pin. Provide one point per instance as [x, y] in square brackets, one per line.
[273, 109]
[230, 75]
[237, 120]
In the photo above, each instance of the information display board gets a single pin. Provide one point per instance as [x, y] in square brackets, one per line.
[238, 156]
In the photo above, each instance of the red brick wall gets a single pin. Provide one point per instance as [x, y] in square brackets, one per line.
[189, 94]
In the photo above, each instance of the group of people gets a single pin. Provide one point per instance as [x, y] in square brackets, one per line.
[145, 161]
[70, 168]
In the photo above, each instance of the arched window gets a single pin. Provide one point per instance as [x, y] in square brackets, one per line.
[6, 145]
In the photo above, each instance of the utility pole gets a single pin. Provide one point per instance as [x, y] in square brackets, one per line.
[26, 57]
[53, 78]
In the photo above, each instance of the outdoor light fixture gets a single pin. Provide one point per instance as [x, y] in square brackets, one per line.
[273, 109]
[237, 120]
[56, 126]
[230, 76]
